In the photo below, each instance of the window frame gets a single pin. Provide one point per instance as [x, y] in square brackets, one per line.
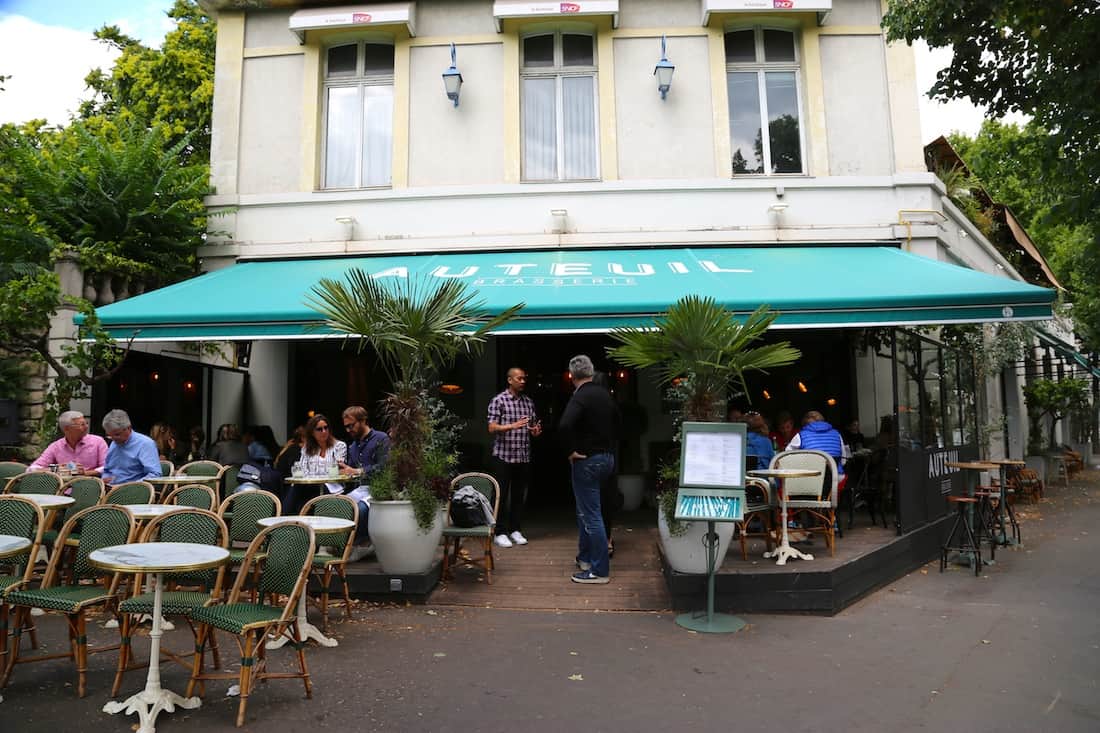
[359, 80]
[558, 71]
[762, 67]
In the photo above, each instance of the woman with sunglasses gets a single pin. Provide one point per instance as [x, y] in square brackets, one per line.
[323, 450]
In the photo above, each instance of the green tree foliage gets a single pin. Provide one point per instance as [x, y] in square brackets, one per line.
[1054, 399]
[171, 86]
[1039, 58]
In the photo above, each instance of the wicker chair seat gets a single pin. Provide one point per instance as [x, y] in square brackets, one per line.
[237, 618]
[66, 598]
[7, 581]
[174, 602]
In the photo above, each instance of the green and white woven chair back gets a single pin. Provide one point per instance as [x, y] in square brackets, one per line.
[36, 482]
[19, 518]
[481, 482]
[248, 507]
[201, 468]
[85, 491]
[203, 528]
[10, 469]
[101, 526]
[289, 553]
[135, 492]
[338, 507]
[166, 468]
[198, 497]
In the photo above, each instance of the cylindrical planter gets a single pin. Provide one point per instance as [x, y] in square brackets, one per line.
[632, 486]
[401, 546]
[687, 553]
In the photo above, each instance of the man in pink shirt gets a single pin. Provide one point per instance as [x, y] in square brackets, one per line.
[88, 452]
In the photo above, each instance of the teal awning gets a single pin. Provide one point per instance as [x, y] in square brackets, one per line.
[1067, 351]
[569, 291]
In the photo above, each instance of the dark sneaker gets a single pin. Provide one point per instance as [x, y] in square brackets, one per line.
[587, 576]
[582, 565]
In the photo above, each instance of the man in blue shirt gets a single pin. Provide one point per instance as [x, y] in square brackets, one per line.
[367, 451]
[131, 456]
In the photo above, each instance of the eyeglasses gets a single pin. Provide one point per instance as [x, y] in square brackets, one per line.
[321, 429]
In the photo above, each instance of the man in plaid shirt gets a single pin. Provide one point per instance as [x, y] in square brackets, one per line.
[512, 423]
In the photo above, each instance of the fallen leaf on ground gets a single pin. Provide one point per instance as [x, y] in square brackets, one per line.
[576, 677]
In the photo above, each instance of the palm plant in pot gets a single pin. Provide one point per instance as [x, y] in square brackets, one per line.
[700, 351]
[415, 328]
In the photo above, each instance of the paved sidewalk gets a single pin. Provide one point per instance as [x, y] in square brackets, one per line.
[1014, 650]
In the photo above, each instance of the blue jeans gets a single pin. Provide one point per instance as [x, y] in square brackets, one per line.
[588, 475]
[361, 528]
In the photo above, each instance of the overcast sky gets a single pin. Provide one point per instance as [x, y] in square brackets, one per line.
[47, 49]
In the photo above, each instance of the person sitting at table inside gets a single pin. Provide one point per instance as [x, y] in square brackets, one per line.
[783, 432]
[229, 450]
[816, 434]
[76, 446]
[852, 436]
[757, 443]
[261, 444]
[131, 455]
[367, 452]
[291, 453]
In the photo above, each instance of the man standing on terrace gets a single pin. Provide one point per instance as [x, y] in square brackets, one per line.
[512, 423]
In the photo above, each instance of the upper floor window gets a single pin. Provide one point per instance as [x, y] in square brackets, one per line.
[358, 115]
[762, 78]
[558, 76]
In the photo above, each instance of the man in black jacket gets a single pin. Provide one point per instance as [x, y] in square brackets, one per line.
[590, 427]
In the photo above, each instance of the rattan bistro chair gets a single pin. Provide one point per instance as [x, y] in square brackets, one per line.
[8, 469]
[103, 526]
[19, 517]
[240, 512]
[167, 468]
[285, 553]
[86, 491]
[758, 508]
[810, 495]
[194, 495]
[34, 482]
[453, 536]
[341, 507]
[132, 492]
[185, 591]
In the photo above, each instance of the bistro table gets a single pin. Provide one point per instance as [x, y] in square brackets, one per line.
[306, 630]
[156, 558]
[784, 551]
[1005, 464]
[341, 478]
[973, 469]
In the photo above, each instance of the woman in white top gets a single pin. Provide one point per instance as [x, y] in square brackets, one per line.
[323, 451]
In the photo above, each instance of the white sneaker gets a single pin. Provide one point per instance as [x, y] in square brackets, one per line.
[518, 538]
[503, 541]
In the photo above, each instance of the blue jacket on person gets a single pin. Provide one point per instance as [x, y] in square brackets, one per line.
[761, 447]
[822, 436]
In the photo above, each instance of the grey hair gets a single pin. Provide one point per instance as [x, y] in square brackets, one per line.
[580, 366]
[68, 417]
[116, 420]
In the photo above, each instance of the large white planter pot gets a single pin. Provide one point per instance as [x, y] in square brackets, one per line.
[686, 553]
[401, 546]
[632, 486]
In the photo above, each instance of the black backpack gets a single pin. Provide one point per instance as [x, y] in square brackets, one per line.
[266, 477]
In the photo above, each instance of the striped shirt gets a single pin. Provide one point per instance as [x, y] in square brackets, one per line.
[512, 446]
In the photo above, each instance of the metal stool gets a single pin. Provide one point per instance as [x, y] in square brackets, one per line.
[963, 533]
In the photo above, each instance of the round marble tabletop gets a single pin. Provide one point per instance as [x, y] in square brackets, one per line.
[783, 472]
[310, 480]
[148, 511]
[320, 524]
[158, 557]
[1007, 462]
[49, 501]
[972, 465]
[191, 479]
[12, 545]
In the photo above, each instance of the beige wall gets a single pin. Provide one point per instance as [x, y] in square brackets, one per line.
[855, 12]
[857, 112]
[265, 29]
[659, 14]
[670, 138]
[449, 145]
[271, 124]
[449, 19]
